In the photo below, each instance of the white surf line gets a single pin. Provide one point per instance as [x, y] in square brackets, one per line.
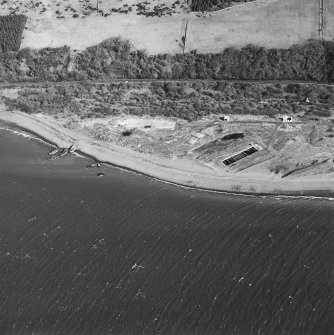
[26, 134]
[207, 190]
[20, 133]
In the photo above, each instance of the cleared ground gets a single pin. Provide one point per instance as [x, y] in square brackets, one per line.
[283, 149]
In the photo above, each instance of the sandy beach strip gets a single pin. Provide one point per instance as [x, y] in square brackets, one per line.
[179, 171]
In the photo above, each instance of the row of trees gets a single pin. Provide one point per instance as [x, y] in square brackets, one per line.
[209, 5]
[113, 58]
[11, 30]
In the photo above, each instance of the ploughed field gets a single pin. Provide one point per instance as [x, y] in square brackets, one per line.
[280, 129]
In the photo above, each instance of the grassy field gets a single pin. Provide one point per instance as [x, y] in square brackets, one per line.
[156, 35]
[268, 23]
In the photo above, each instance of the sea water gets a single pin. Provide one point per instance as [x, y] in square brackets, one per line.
[126, 254]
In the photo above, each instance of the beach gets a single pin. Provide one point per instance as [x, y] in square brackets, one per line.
[179, 171]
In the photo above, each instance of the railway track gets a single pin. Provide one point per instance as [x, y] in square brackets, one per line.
[101, 82]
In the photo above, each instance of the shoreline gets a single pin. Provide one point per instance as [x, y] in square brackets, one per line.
[180, 172]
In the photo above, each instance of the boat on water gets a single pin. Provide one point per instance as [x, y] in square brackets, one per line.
[72, 148]
[100, 174]
[53, 151]
[94, 165]
[63, 152]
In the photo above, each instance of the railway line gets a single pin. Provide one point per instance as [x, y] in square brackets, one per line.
[124, 80]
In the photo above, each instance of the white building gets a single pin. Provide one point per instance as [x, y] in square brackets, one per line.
[225, 118]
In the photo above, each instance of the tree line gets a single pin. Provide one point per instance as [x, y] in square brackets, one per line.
[209, 5]
[11, 30]
[114, 58]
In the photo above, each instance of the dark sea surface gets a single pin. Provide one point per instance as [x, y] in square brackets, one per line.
[125, 254]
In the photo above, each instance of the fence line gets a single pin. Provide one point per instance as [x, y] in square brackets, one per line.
[321, 19]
